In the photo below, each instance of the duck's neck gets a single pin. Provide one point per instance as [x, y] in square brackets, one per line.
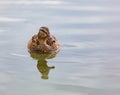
[42, 41]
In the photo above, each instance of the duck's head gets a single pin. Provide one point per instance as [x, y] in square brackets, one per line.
[43, 33]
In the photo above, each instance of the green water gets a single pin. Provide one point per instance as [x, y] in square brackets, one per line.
[88, 61]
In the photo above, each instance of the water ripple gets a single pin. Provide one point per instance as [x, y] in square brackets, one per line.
[47, 2]
[8, 19]
[19, 55]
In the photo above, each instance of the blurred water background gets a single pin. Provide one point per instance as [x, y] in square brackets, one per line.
[89, 60]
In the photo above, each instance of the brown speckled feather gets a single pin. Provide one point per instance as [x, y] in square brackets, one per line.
[44, 43]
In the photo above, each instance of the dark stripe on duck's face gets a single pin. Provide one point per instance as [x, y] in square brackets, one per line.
[45, 30]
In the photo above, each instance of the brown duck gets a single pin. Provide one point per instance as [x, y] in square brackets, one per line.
[43, 42]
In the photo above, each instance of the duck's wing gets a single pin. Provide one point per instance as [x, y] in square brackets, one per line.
[32, 44]
[53, 42]
[56, 42]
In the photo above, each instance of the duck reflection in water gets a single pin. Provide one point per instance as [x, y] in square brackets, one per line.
[42, 66]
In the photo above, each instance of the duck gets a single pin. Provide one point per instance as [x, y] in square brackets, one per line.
[43, 42]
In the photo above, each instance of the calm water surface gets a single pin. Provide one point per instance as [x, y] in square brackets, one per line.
[88, 62]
